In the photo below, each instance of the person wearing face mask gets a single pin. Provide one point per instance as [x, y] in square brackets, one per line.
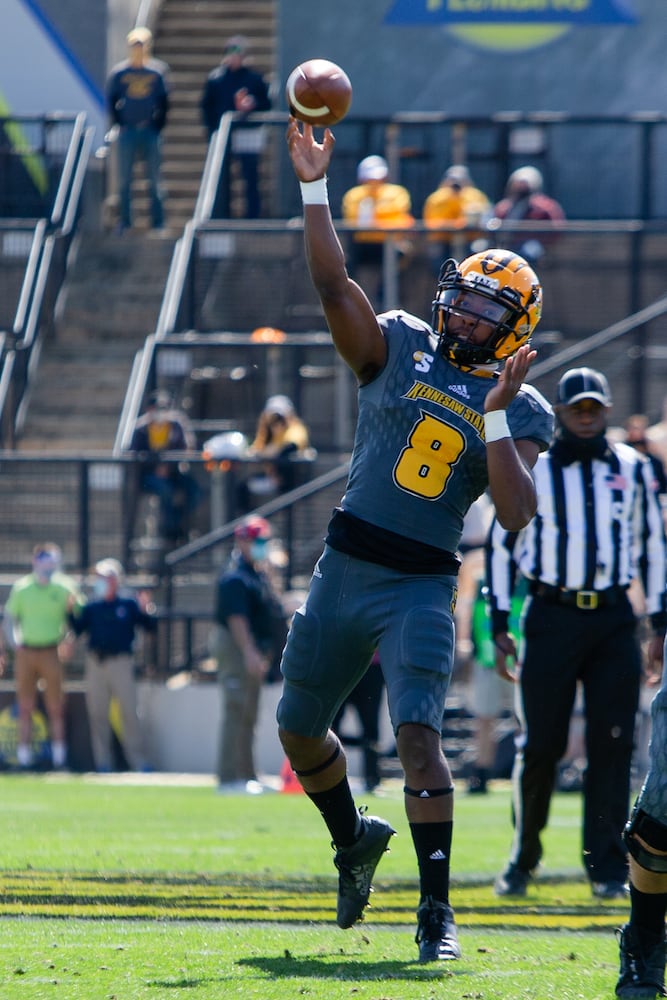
[251, 627]
[35, 627]
[110, 620]
[160, 430]
[525, 201]
[598, 526]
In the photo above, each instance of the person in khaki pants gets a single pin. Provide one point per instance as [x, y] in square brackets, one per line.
[35, 623]
[250, 627]
[110, 620]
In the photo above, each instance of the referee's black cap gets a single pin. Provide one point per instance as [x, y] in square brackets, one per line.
[583, 383]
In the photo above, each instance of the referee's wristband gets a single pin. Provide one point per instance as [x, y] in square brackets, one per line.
[495, 426]
[314, 192]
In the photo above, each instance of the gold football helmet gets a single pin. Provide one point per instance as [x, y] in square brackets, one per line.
[486, 307]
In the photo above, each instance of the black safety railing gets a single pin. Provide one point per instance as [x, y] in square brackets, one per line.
[597, 166]
[45, 266]
[241, 276]
[418, 147]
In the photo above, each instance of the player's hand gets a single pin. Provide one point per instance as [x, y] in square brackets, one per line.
[510, 379]
[66, 649]
[654, 656]
[310, 159]
[145, 601]
[256, 664]
[505, 650]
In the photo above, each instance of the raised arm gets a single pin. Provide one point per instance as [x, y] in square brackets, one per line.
[350, 316]
[511, 484]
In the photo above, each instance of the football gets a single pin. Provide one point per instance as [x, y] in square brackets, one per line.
[318, 92]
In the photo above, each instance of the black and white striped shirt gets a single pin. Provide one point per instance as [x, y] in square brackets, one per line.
[598, 525]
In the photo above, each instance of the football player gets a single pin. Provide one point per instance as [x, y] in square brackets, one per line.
[642, 939]
[437, 425]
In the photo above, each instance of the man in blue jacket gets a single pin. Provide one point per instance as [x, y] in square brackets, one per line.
[110, 620]
[138, 102]
[233, 86]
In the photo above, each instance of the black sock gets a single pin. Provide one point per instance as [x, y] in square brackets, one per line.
[433, 842]
[338, 812]
[648, 914]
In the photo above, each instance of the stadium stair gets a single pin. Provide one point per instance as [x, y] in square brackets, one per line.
[109, 303]
[190, 38]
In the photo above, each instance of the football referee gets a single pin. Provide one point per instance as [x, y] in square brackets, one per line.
[598, 525]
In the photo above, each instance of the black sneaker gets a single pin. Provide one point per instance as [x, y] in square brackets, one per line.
[513, 882]
[642, 971]
[356, 866]
[610, 890]
[477, 782]
[436, 932]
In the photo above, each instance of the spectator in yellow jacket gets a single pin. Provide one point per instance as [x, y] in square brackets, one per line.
[378, 204]
[456, 210]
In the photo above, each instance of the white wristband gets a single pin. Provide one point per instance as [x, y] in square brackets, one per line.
[314, 192]
[495, 426]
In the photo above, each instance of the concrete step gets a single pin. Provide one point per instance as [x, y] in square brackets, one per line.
[109, 304]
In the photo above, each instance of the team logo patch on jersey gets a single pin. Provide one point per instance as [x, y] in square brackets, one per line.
[423, 361]
[460, 390]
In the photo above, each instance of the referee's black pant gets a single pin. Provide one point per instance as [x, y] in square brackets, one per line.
[564, 644]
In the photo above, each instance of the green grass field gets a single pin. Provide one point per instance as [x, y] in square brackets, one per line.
[151, 888]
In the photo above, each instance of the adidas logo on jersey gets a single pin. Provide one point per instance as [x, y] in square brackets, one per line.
[460, 390]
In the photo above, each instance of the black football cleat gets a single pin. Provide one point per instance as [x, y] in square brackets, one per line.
[436, 932]
[356, 866]
[642, 972]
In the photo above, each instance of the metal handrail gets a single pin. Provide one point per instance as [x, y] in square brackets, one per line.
[147, 14]
[180, 263]
[215, 158]
[601, 338]
[71, 159]
[27, 288]
[59, 225]
[178, 272]
[212, 538]
[139, 376]
[78, 178]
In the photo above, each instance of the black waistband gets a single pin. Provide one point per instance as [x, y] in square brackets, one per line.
[584, 600]
[355, 537]
[49, 645]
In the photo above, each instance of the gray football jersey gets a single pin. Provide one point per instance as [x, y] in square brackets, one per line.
[419, 457]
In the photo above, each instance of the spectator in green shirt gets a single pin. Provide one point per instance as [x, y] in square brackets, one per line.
[36, 628]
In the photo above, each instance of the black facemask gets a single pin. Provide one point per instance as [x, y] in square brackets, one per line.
[569, 448]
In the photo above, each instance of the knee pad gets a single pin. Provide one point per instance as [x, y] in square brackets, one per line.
[654, 833]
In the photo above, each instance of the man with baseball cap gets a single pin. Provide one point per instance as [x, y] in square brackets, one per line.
[375, 205]
[138, 103]
[583, 383]
[236, 86]
[110, 620]
[250, 633]
[598, 525]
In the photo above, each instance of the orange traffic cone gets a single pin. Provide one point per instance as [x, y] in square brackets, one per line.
[290, 784]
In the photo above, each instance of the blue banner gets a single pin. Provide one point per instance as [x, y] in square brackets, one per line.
[571, 12]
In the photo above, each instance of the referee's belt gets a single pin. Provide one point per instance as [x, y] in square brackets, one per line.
[584, 600]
